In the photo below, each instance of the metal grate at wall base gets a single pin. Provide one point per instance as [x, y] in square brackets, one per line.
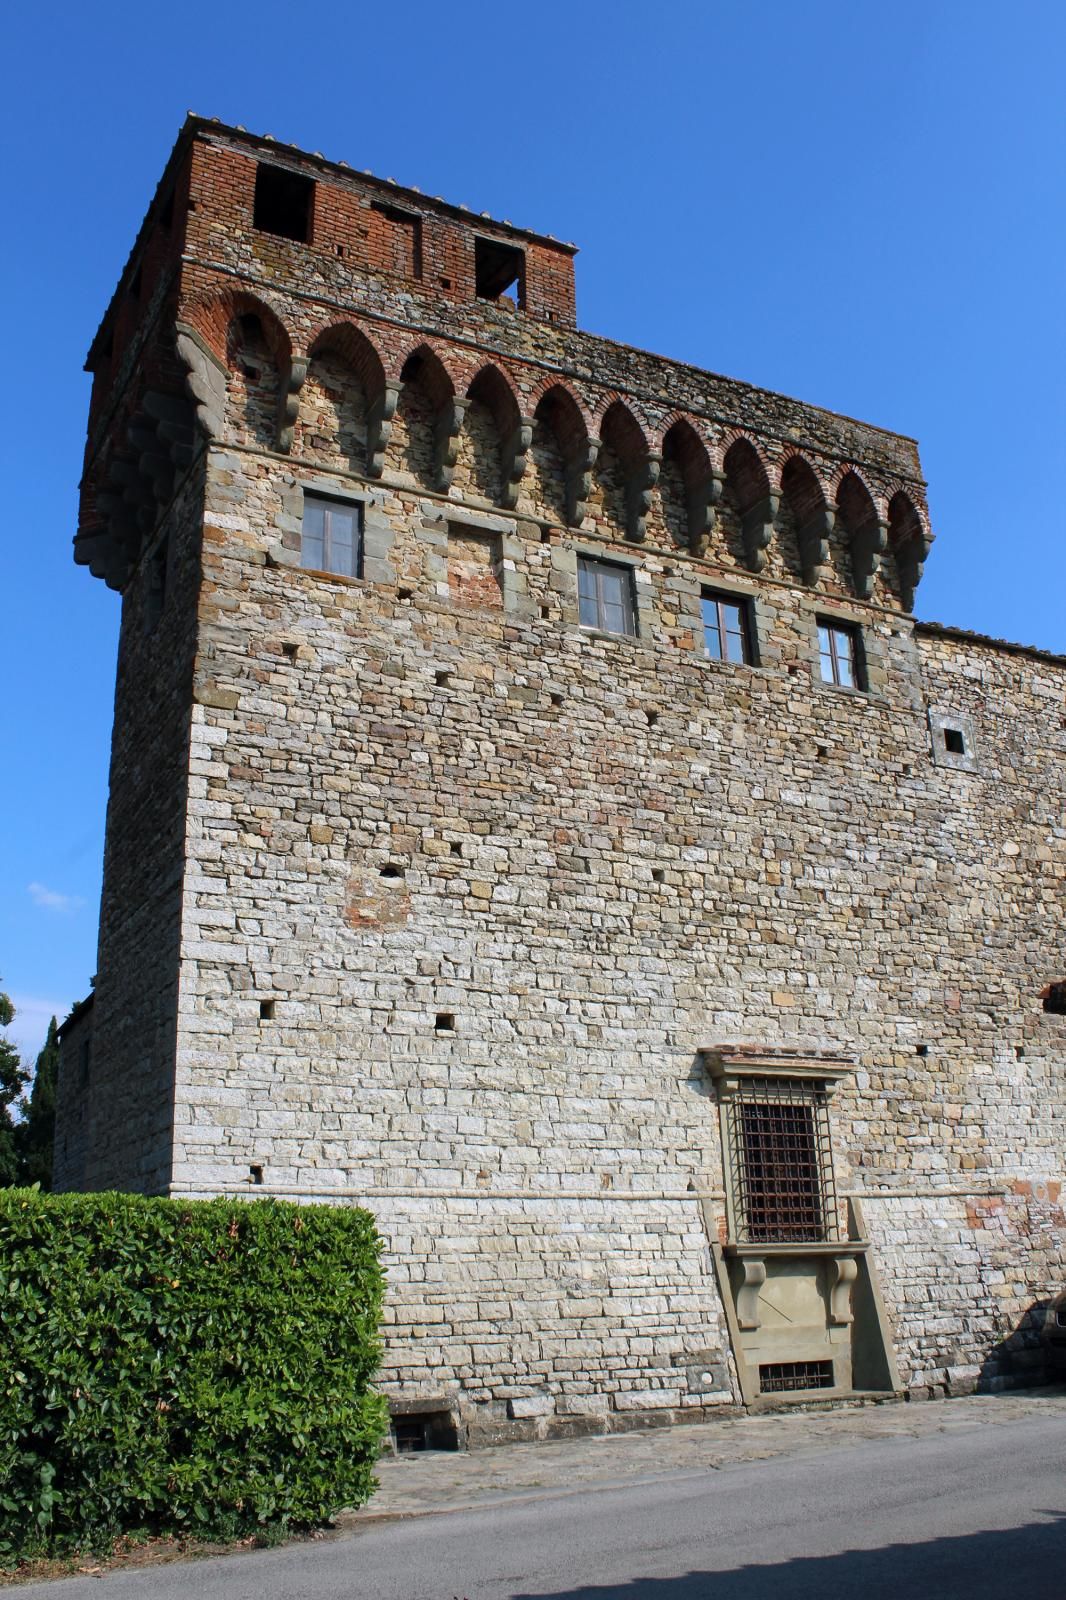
[781, 1377]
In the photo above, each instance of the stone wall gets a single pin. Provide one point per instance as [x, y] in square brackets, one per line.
[467, 890]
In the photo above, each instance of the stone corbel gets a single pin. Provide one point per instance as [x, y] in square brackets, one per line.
[379, 428]
[579, 482]
[843, 1271]
[702, 515]
[814, 544]
[289, 402]
[173, 425]
[446, 441]
[868, 545]
[205, 381]
[910, 564]
[515, 454]
[753, 1276]
[639, 487]
[757, 529]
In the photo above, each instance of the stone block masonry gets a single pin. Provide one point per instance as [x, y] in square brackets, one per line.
[427, 889]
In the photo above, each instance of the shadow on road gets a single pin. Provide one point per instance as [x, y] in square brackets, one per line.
[975, 1566]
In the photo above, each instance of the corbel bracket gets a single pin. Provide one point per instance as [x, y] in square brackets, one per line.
[379, 428]
[868, 545]
[640, 486]
[814, 538]
[446, 441]
[752, 1277]
[579, 482]
[515, 454]
[757, 529]
[842, 1272]
[289, 402]
[703, 500]
[205, 380]
[910, 564]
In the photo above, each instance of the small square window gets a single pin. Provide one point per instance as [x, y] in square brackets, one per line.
[954, 741]
[727, 627]
[605, 593]
[840, 654]
[331, 537]
[499, 271]
[283, 203]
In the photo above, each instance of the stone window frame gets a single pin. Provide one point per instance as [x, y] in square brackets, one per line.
[941, 723]
[378, 534]
[431, 529]
[873, 676]
[565, 557]
[813, 1080]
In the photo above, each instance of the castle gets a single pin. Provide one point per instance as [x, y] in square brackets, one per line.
[537, 815]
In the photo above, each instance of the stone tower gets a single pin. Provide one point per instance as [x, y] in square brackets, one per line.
[536, 815]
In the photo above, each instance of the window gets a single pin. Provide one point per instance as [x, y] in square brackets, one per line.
[605, 594]
[499, 271]
[776, 1142]
[779, 1175]
[726, 627]
[331, 536]
[840, 652]
[283, 203]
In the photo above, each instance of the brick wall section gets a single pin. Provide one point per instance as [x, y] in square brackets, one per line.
[601, 854]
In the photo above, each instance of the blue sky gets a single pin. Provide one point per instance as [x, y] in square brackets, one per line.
[861, 205]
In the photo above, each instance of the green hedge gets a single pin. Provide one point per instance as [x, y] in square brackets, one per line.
[192, 1366]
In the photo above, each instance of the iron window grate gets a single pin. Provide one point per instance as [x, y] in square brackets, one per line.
[781, 1163]
[788, 1377]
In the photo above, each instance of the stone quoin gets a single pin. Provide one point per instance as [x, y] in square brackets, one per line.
[536, 815]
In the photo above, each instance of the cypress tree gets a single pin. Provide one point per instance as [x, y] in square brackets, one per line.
[12, 1082]
[35, 1134]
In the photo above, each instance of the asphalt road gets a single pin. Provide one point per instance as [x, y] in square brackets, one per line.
[977, 1515]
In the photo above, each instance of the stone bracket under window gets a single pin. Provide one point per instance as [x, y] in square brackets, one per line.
[953, 739]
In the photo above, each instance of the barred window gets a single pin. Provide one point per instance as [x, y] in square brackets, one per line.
[781, 1163]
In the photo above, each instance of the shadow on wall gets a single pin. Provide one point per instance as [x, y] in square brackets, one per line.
[974, 1566]
[1018, 1361]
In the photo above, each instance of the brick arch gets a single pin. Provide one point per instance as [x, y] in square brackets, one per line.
[354, 347]
[682, 442]
[424, 365]
[745, 471]
[683, 449]
[556, 404]
[618, 427]
[910, 541]
[802, 485]
[491, 385]
[214, 316]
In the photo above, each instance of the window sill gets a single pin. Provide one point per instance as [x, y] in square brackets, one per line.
[812, 1247]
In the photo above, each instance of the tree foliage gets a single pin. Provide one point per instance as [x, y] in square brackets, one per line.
[13, 1081]
[35, 1134]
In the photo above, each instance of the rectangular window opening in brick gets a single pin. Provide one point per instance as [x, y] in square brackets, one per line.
[840, 654]
[331, 536]
[284, 203]
[781, 1164]
[474, 568]
[727, 630]
[500, 272]
[398, 236]
[605, 596]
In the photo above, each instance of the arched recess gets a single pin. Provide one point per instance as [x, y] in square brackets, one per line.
[811, 516]
[626, 471]
[747, 488]
[427, 420]
[909, 542]
[865, 532]
[689, 487]
[562, 456]
[495, 438]
[345, 384]
[240, 370]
